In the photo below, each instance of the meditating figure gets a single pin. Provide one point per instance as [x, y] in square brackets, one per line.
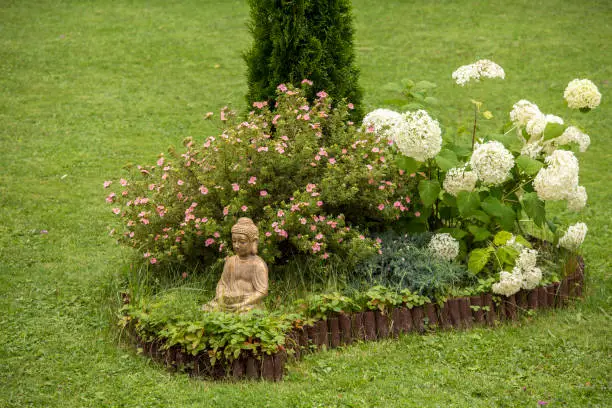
[244, 281]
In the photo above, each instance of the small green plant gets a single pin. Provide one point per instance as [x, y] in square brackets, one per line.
[323, 305]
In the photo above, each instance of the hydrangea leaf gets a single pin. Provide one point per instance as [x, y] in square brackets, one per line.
[553, 130]
[502, 237]
[478, 259]
[467, 203]
[447, 159]
[534, 208]
[408, 164]
[456, 233]
[428, 191]
[528, 165]
[504, 214]
[479, 233]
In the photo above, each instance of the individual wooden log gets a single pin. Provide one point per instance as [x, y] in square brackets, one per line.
[238, 368]
[465, 312]
[382, 324]
[357, 326]
[510, 307]
[369, 323]
[417, 318]
[252, 367]
[279, 365]
[432, 315]
[406, 319]
[490, 314]
[323, 335]
[476, 306]
[564, 292]
[532, 299]
[396, 322]
[267, 367]
[346, 336]
[334, 331]
[542, 297]
[445, 317]
[454, 306]
[521, 300]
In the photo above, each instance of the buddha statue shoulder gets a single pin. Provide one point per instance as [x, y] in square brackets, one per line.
[244, 281]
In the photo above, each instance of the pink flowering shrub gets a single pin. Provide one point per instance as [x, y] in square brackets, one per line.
[314, 183]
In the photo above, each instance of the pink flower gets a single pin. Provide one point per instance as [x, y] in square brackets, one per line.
[319, 236]
[316, 247]
[252, 180]
[209, 242]
[225, 210]
[381, 207]
[180, 182]
[317, 157]
[116, 210]
[280, 213]
[145, 221]
[216, 234]
[407, 199]
[123, 182]
[184, 275]
[375, 150]
[262, 149]
[382, 159]
[350, 106]
[244, 208]
[303, 221]
[361, 237]
[146, 254]
[153, 261]
[285, 138]
[319, 203]
[203, 190]
[313, 227]
[306, 82]
[344, 151]
[382, 187]
[282, 88]
[306, 116]
[417, 214]
[310, 187]
[124, 193]
[325, 256]
[401, 172]
[369, 167]
[260, 105]
[235, 187]
[107, 184]
[332, 160]
[370, 129]
[160, 162]
[378, 240]
[275, 119]
[322, 94]
[111, 197]
[263, 193]
[397, 204]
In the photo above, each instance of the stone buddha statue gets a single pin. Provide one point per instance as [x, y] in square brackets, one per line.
[244, 281]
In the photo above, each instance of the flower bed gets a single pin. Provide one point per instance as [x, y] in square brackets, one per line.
[340, 329]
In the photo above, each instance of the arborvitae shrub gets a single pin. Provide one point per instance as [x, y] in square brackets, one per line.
[302, 39]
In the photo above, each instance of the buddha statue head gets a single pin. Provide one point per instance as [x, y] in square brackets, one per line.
[245, 237]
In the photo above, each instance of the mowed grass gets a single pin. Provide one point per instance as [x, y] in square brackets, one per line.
[87, 87]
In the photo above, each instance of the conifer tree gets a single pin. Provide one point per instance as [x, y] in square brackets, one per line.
[302, 39]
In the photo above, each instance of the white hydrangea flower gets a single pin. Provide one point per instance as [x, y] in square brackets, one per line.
[418, 136]
[577, 200]
[532, 149]
[383, 121]
[554, 119]
[573, 135]
[536, 125]
[527, 259]
[444, 246]
[559, 179]
[522, 112]
[459, 179]
[509, 283]
[574, 237]
[531, 278]
[492, 162]
[480, 69]
[582, 94]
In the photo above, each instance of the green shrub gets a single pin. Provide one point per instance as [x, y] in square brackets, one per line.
[315, 185]
[405, 263]
[302, 39]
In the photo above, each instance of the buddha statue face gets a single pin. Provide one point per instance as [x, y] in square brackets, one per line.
[242, 245]
[245, 237]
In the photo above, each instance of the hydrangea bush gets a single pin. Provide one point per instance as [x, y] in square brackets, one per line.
[316, 185]
[480, 196]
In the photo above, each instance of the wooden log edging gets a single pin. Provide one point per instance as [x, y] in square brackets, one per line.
[343, 329]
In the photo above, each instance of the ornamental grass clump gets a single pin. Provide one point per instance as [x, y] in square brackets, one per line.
[315, 184]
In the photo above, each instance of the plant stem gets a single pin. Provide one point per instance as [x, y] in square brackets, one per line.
[474, 129]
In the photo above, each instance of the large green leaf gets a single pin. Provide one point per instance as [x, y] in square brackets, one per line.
[456, 233]
[503, 214]
[528, 165]
[553, 130]
[479, 233]
[506, 256]
[467, 203]
[534, 208]
[447, 159]
[478, 259]
[408, 164]
[502, 237]
[428, 191]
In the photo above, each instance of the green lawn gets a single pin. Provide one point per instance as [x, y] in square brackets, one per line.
[87, 87]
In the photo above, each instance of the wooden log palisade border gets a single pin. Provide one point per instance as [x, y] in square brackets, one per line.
[344, 329]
